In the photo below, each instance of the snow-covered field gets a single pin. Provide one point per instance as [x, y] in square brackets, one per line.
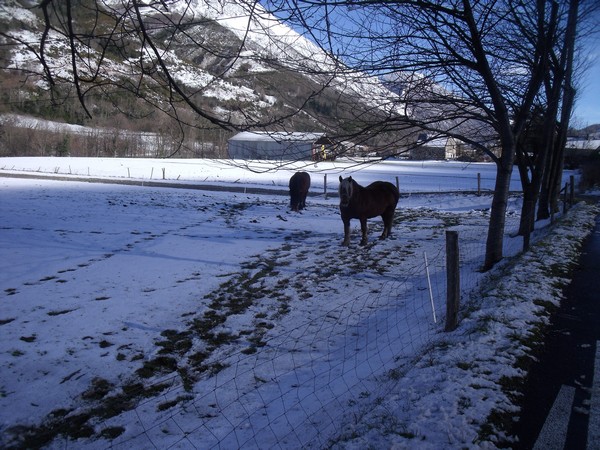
[144, 316]
[413, 176]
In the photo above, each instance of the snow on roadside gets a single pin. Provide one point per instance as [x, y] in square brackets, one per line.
[452, 396]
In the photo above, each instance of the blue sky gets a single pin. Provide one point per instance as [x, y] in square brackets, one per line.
[587, 106]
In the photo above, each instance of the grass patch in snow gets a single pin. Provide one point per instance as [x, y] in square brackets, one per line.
[60, 313]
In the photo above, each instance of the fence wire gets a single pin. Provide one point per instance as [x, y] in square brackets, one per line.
[309, 386]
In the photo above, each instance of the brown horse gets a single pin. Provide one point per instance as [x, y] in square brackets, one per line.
[357, 202]
[299, 184]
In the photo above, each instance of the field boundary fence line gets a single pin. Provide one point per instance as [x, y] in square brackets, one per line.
[324, 189]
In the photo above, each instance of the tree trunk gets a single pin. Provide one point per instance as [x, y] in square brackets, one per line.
[495, 238]
[562, 134]
[526, 225]
[543, 211]
[545, 153]
[553, 177]
[527, 186]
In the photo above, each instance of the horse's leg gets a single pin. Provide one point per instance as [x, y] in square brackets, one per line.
[346, 241]
[388, 218]
[363, 228]
[384, 233]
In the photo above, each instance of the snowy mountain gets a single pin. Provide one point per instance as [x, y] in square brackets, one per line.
[239, 63]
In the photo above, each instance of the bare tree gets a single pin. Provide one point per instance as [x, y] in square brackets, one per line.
[540, 165]
[461, 67]
[562, 92]
[464, 69]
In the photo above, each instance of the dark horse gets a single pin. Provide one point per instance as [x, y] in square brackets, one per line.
[299, 184]
[357, 202]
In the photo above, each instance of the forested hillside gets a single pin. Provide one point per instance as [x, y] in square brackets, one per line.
[257, 74]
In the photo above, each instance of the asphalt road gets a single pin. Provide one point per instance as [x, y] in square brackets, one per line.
[562, 400]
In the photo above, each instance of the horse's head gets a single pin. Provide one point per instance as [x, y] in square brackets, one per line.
[345, 190]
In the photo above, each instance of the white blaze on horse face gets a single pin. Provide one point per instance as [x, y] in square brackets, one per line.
[345, 191]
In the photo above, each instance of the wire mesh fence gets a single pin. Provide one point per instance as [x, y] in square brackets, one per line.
[314, 368]
[306, 384]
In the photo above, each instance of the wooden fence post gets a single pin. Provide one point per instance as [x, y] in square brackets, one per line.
[452, 280]
[398, 183]
[478, 183]
[528, 225]
[572, 190]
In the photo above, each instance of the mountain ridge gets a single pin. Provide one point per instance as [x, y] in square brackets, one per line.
[241, 67]
[247, 71]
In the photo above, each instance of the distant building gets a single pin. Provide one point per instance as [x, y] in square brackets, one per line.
[278, 145]
[580, 150]
[582, 144]
[434, 149]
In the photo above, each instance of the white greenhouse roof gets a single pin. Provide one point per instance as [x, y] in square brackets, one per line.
[276, 136]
